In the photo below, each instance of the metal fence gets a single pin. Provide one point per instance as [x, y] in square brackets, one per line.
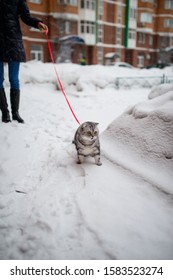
[146, 81]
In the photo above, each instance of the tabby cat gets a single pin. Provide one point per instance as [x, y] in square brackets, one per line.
[87, 143]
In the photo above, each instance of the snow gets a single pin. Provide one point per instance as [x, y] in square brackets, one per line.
[52, 208]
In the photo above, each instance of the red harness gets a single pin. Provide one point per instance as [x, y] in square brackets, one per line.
[58, 79]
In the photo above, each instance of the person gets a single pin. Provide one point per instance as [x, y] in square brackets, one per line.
[83, 61]
[12, 51]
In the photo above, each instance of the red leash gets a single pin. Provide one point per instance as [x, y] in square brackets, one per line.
[58, 79]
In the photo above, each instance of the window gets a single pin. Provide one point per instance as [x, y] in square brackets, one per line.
[150, 40]
[82, 26]
[87, 27]
[36, 52]
[119, 14]
[133, 13]
[168, 23]
[67, 27]
[93, 5]
[82, 4]
[132, 34]
[73, 2]
[164, 41]
[141, 38]
[100, 10]
[35, 1]
[169, 5]
[118, 35]
[87, 4]
[150, 1]
[68, 2]
[100, 33]
[146, 17]
[118, 53]
[140, 60]
[100, 55]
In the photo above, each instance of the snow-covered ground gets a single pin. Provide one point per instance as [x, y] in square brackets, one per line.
[52, 208]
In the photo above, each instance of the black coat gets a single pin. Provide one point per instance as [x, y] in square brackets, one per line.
[11, 45]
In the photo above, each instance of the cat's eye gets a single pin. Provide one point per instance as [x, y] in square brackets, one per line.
[95, 132]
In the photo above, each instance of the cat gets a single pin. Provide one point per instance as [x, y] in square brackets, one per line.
[87, 143]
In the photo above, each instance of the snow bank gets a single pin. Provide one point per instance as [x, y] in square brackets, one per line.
[145, 132]
[79, 78]
[159, 90]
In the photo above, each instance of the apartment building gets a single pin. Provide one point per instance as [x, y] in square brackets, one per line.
[139, 32]
[154, 31]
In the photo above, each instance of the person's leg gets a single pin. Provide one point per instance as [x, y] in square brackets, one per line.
[15, 89]
[3, 100]
[13, 73]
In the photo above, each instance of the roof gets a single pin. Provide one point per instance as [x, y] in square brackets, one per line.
[71, 39]
[111, 55]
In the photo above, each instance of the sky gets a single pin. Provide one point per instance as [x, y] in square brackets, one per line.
[53, 208]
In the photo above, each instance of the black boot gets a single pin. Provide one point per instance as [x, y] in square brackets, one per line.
[4, 107]
[15, 98]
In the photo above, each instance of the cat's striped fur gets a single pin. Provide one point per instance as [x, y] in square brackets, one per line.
[87, 143]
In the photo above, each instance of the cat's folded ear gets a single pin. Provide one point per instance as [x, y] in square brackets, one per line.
[96, 123]
[83, 125]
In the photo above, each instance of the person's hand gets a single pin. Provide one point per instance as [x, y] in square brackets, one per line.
[43, 27]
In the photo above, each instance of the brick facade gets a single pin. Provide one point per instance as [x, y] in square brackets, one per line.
[134, 31]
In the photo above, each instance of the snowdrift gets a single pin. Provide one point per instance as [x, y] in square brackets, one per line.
[79, 78]
[145, 132]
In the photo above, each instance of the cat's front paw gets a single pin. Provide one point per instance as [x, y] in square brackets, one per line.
[99, 163]
[80, 159]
